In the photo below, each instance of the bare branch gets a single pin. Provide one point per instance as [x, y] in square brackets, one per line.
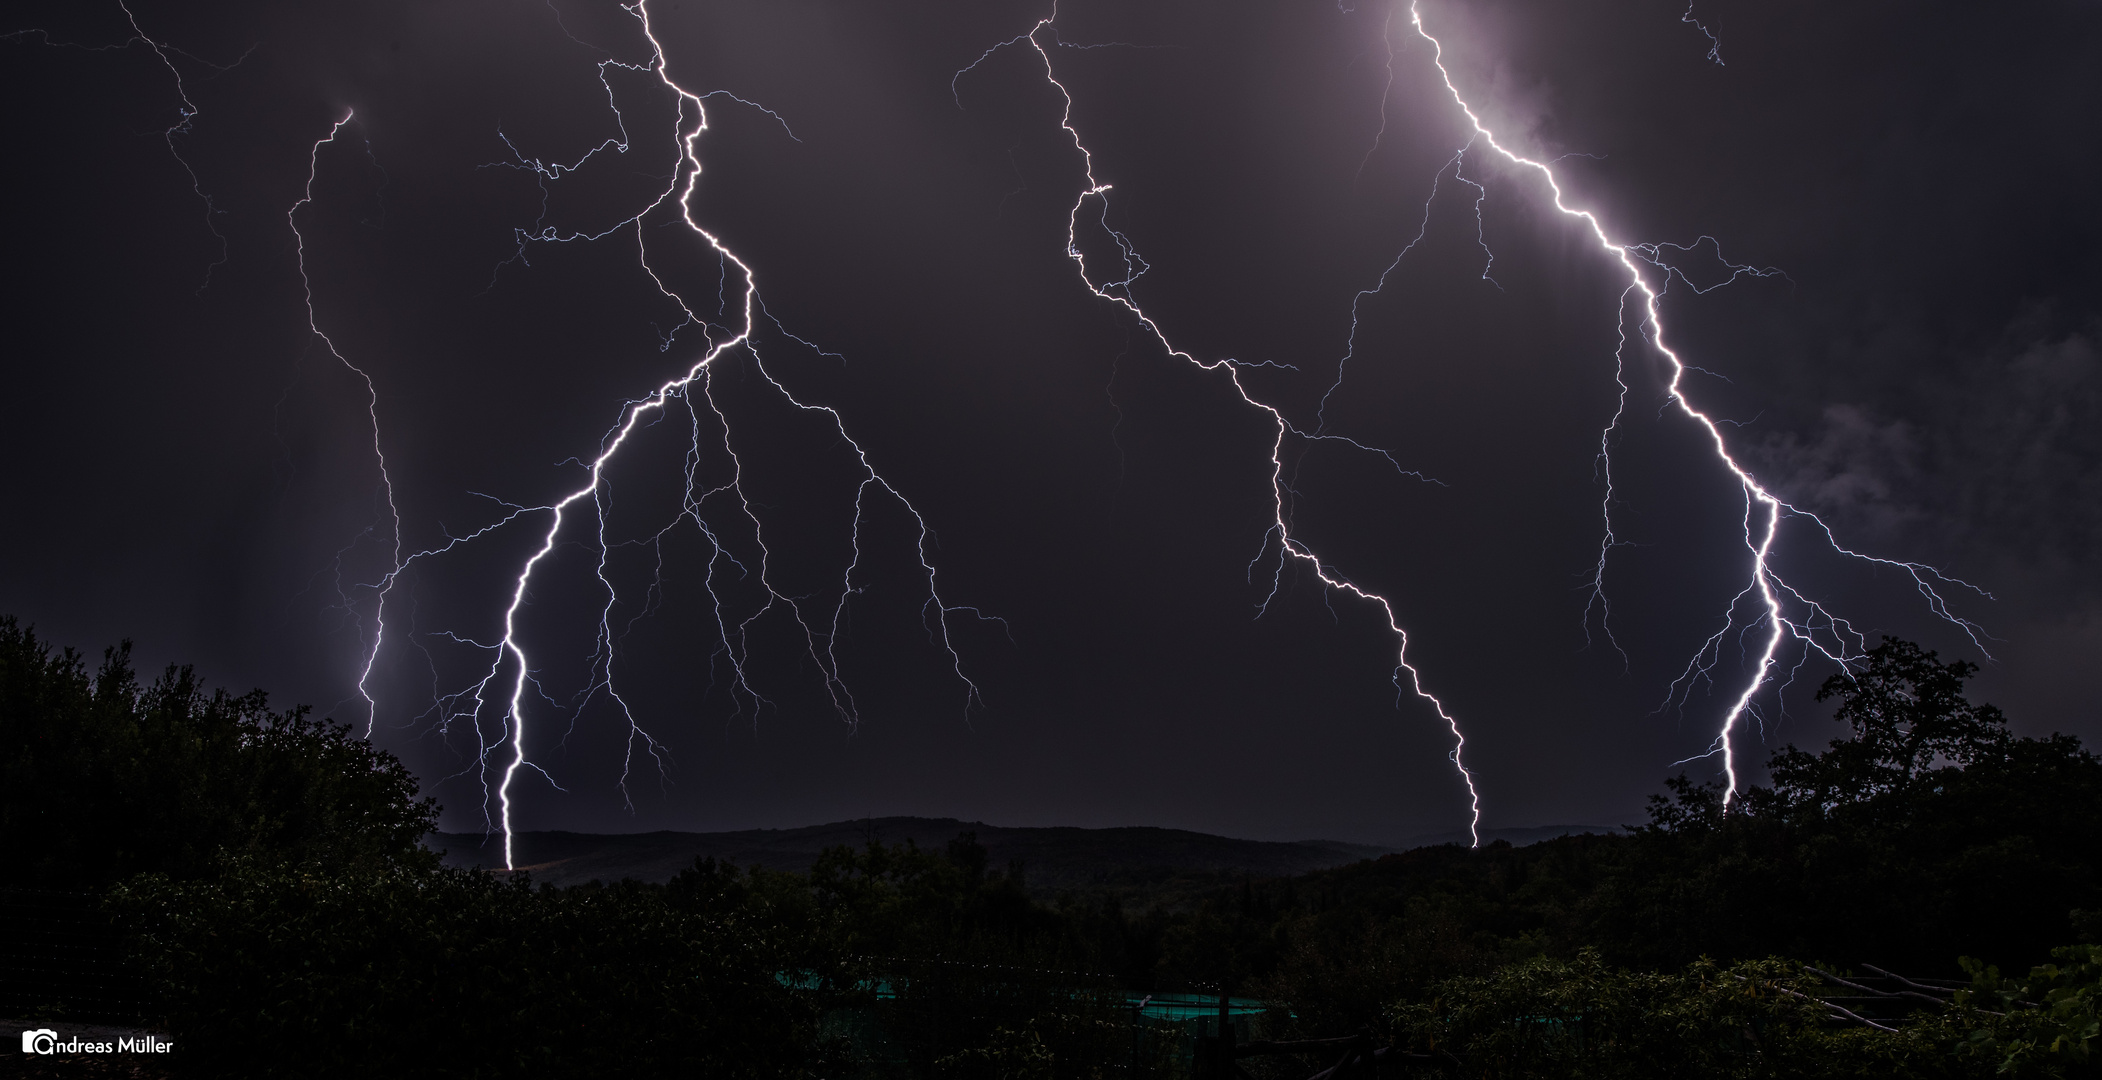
[1823, 974]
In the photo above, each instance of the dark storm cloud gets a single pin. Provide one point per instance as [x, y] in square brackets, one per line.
[194, 470]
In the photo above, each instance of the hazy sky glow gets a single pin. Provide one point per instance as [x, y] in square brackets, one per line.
[1116, 639]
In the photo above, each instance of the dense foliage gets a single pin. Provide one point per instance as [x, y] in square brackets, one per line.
[900, 901]
[2042, 1025]
[416, 971]
[270, 870]
[102, 777]
[1577, 1019]
[1930, 831]
[1927, 832]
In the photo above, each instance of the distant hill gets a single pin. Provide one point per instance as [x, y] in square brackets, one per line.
[1055, 860]
[1160, 865]
[1516, 837]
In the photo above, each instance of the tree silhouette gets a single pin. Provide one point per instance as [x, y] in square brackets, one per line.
[1910, 723]
[102, 777]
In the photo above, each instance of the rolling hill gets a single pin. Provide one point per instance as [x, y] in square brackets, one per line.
[1132, 860]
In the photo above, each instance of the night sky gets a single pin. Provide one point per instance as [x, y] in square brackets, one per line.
[191, 467]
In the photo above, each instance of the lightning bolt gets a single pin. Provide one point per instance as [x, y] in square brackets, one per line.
[1815, 628]
[496, 704]
[821, 643]
[185, 113]
[1290, 548]
[1779, 613]
[1764, 590]
[1714, 43]
[372, 406]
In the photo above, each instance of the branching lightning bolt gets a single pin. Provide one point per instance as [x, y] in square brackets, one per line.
[372, 405]
[1407, 679]
[184, 114]
[1817, 629]
[1714, 43]
[1763, 510]
[504, 687]
[1780, 613]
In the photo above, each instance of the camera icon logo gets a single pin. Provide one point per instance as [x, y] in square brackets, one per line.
[40, 1041]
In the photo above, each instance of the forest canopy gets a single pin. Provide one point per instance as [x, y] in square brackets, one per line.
[270, 874]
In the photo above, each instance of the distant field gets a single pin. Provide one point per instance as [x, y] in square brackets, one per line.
[1134, 861]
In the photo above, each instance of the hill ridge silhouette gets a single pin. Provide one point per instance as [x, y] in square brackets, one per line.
[1132, 860]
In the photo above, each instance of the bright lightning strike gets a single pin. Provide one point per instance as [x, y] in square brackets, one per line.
[1815, 628]
[372, 406]
[1290, 547]
[1763, 511]
[693, 121]
[1778, 613]
[501, 693]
